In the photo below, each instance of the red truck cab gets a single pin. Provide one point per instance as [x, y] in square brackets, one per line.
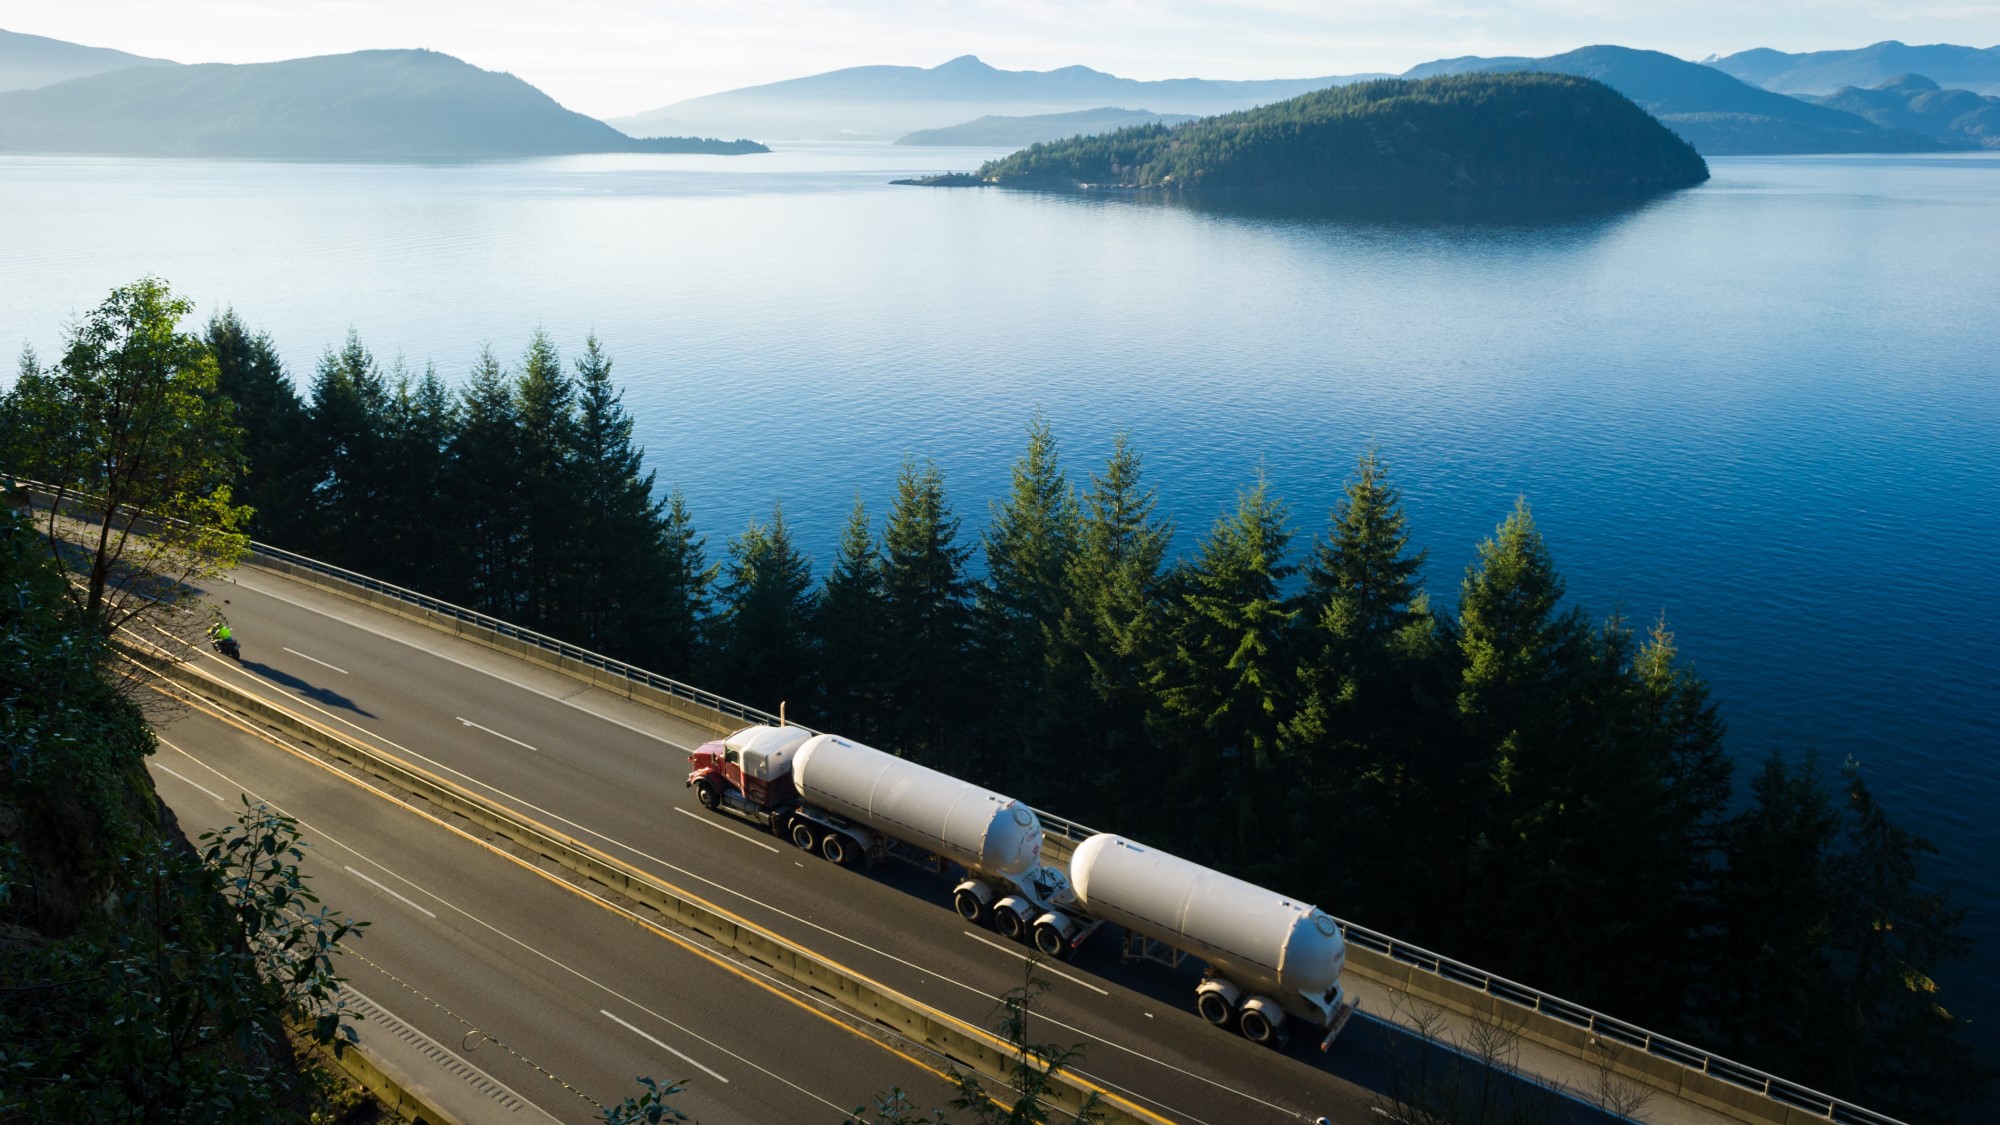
[749, 772]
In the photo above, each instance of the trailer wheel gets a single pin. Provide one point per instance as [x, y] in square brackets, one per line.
[1010, 922]
[803, 834]
[969, 907]
[1215, 1008]
[1256, 1027]
[837, 849]
[705, 792]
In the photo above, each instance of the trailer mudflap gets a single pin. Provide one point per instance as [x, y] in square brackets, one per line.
[1340, 1016]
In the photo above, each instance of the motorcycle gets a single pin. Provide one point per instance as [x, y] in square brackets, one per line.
[228, 647]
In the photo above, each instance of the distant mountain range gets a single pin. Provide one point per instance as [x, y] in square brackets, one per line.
[1717, 113]
[1919, 105]
[1823, 72]
[31, 61]
[885, 102]
[1021, 131]
[369, 105]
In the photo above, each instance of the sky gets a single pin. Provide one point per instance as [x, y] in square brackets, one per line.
[613, 57]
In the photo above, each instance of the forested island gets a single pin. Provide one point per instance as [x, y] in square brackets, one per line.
[1463, 134]
[1509, 780]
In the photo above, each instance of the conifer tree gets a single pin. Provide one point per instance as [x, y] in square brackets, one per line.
[683, 593]
[1108, 637]
[620, 529]
[1522, 657]
[1030, 545]
[349, 425]
[545, 403]
[927, 616]
[1364, 740]
[1772, 964]
[1226, 683]
[765, 652]
[1894, 1043]
[849, 627]
[486, 483]
[277, 476]
[420, 539]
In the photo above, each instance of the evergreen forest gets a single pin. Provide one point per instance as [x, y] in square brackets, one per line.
[1514, 782]
[1473, 133]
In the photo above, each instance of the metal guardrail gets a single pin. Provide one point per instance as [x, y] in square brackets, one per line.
[1823, 1106]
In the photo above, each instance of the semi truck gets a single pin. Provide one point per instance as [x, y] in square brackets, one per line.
[1271, 963]
[855, 804]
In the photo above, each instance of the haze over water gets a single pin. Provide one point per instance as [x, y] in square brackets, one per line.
[1769, 406]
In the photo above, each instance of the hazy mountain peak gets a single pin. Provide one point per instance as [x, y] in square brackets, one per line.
[883, 102]
[379, 104]
[1951, 65]
[29, 62]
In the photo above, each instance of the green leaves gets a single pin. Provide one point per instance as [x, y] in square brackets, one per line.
[129, 426]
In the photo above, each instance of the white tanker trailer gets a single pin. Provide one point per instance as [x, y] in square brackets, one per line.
[1268, 956]
[853, 803]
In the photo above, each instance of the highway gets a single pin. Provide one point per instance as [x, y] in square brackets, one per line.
[610, 772]
[516, 997]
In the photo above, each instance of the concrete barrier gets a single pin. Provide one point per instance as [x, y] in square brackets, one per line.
[971, 1047]
[396, 1098]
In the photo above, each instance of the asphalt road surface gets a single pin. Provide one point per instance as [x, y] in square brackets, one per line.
[510, 995]
[611, 772]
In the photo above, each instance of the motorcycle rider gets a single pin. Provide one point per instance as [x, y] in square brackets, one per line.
[222, 638]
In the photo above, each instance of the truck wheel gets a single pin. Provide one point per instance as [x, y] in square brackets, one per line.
[705, 792]
[1050, 941]
[1215, 1008]
[1256, 1027]
[969, 907]
[837, 849]
[803, 834]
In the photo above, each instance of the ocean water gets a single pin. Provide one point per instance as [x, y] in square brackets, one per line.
[1767, 407]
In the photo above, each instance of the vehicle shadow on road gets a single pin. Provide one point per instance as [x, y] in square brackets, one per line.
[311, 691]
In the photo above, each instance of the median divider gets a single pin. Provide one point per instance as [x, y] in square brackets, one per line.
[971, 1047]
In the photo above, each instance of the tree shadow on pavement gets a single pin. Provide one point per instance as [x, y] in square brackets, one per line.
[311, 691]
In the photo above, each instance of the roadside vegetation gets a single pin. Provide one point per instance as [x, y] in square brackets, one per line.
[1513, 782]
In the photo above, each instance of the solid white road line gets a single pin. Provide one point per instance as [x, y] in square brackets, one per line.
[661, 1046]
[700, 819]
[315, 660]
[327, 838]
[387, 891]
[196, 784]
[1046, 967]
[491, 731]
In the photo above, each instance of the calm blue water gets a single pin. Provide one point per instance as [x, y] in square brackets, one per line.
[1769, 407]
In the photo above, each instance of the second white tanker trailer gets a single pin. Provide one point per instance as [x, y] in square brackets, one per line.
[1269, 959]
